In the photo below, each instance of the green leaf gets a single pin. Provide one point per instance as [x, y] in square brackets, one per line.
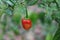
[57, 34]
[1, 12]
[53, 6]
[18, 10]
[13, 1]
[8, 10]
[3, 6]
[41, 5]
[33, 17]
[49, 36]
[1, 36]
[3, 19]
[41, 16]
[8, 2]
[16, 30]
[58, 1]
[45, 1]
[16, 18]
[58, 14]
[50, 0]
[48, 18]
[31, 2]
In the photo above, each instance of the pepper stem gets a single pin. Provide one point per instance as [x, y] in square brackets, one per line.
[26, 13]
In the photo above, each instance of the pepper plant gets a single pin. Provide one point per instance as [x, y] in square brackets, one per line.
[11, 12]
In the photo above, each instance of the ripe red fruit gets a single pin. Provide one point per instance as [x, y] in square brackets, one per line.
[26, 23]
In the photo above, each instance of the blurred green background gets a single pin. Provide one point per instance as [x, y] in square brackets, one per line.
[45, 16]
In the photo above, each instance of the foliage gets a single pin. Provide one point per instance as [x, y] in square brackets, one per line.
[15, 8]
[52, 7]
[49, 36]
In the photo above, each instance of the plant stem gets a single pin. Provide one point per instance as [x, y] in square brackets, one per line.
[26, 9]
[26, 12]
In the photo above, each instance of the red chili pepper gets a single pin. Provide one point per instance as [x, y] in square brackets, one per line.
[26, 23]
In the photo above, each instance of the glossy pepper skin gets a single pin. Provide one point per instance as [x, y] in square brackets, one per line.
[26, 23]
